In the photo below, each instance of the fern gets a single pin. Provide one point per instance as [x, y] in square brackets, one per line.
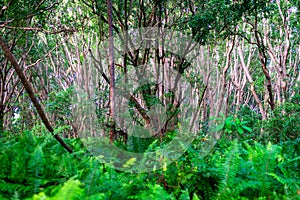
[11, 188]
[71, 190]
[291, 185]
[260, 160]
[248, 188]
[36, 168]
[154, 192]
[94, 173]
[229, 172]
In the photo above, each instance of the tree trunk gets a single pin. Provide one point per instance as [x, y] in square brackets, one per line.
[111, 71]
[263, 61]
[1, 122]
[252, 89]
[30, 91]
[224, 73]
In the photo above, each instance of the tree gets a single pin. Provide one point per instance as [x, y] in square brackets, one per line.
[30, 91]
[111, 69]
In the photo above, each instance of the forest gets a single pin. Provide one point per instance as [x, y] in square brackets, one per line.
[149, 99]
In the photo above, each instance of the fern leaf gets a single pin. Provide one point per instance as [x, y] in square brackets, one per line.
[230, 168]
[70, 191]
[36, 168]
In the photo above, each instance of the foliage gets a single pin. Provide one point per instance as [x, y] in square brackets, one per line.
[284, 124]
[218, 18]
[253, 159]
[33, 165]
[234, 127]
[70, 190]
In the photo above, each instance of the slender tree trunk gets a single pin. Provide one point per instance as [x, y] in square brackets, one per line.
[263, 61]
[111, 70]
[252, 89]
[1, 121]
[224, 73]
[30, 91]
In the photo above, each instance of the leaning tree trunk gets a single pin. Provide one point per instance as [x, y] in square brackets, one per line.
[30, 91]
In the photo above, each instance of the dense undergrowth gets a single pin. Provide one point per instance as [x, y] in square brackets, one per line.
[244, 164]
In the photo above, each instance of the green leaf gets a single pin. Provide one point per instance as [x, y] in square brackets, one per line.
[220, 126]
[240, 130]
[195, 197]
[247, 128]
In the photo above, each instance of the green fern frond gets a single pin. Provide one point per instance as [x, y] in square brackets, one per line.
[290, 183]
[94, 174]
[154, 192]
[229, 169]
[263, 159]
[40, 196]
[248, 188]
[11, 188]
[71, 190]
[35, 168]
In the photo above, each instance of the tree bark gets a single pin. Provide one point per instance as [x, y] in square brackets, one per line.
[249, 77]
[263, 60]
[111, 70]
[30, 91]
[1, 122]
[224, 73]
